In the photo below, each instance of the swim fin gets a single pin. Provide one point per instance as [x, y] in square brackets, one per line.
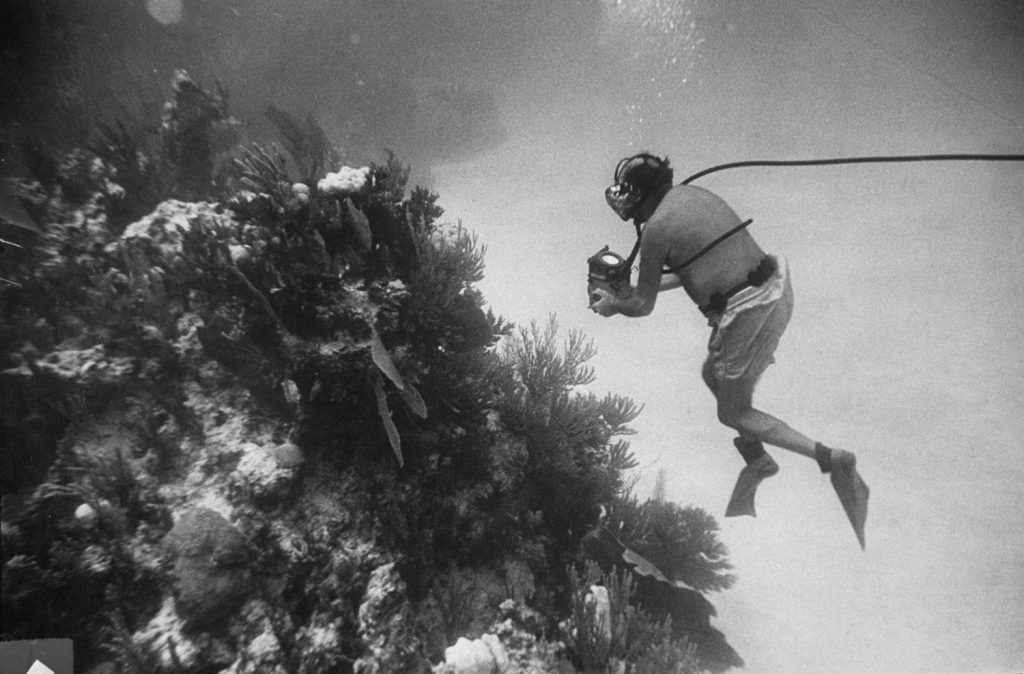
[742, 500]
[853, 493]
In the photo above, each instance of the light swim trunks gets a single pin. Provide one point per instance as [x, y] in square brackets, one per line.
[746, 333]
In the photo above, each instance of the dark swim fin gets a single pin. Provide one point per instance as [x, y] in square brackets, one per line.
[853, 493]
[742, 500]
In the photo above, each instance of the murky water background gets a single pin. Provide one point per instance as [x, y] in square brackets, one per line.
[908, 336]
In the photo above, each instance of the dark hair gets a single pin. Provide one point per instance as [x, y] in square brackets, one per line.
[645, 172]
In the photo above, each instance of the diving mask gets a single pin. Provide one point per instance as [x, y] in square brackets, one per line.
[623, 198]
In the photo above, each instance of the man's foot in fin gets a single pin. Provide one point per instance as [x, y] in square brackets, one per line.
[853, 493]
[742, 500]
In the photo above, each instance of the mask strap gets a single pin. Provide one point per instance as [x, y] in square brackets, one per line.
[643, 156]
[619, 167]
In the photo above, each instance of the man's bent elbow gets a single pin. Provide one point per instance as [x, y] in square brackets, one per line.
[641, 308]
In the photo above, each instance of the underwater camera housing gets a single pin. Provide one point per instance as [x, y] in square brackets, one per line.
[608, 271]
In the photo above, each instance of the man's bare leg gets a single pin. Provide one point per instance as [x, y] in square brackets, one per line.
[755, 424]
[735, 410]
[760, 464]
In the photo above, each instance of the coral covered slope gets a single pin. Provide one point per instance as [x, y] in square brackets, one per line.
[257, 421]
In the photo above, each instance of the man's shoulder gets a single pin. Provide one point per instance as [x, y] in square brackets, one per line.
[675, 208]
[687, 205]
[691, 193]
[666, 224]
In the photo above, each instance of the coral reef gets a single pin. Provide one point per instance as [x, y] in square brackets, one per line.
[210, 574]
[195, 131]
[277, 432]
[475, 656]
[344, 182]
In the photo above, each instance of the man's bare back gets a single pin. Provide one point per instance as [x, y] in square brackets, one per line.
[688, 219]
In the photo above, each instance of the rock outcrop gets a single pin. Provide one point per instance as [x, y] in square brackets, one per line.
[210, 570]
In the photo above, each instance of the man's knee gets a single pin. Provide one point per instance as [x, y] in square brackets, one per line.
[708, 374]
[735, 400]
[730, 415]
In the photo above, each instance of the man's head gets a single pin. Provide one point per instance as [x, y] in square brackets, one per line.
[637, 178]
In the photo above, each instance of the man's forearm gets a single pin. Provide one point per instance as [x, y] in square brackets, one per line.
[669, 282]
[633, 306]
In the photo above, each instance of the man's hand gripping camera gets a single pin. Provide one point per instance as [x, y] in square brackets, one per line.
[607, 271]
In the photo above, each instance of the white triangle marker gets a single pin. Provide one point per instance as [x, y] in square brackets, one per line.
[39, 668]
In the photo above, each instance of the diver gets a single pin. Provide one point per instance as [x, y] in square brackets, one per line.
[691, 238]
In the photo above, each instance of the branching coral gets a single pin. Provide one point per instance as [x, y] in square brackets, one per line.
[195, 129]
[606, 627]
[443, 305]
[305, 141]
[262, 176]
[569, 433]
[682, 542]
[133, 170]
[69, 566]
[666, 597]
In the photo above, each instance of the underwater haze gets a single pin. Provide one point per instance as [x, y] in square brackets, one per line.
[907, 342]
